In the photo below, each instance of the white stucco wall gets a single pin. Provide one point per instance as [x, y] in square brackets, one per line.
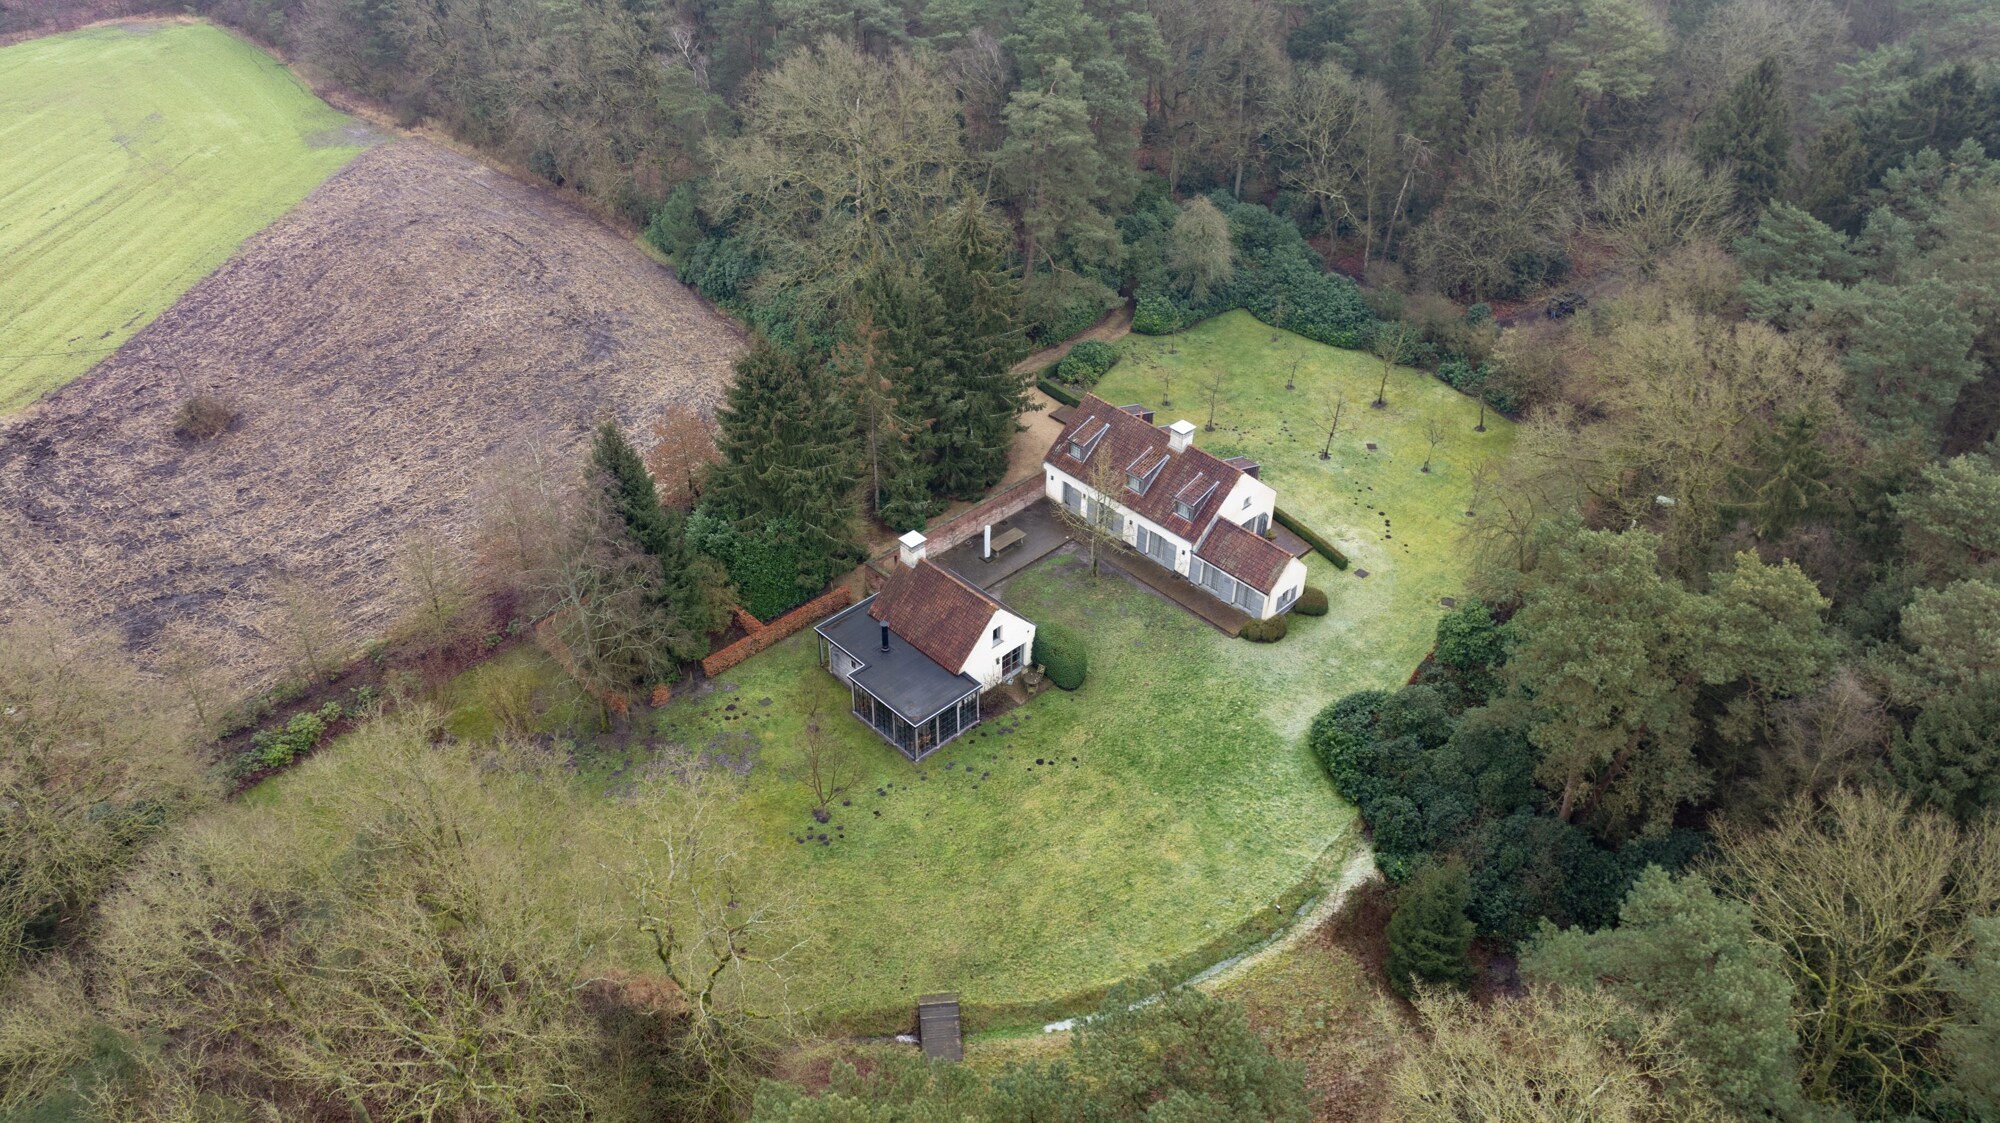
[984, 662]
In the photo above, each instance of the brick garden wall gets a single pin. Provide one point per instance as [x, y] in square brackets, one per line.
[766, 635]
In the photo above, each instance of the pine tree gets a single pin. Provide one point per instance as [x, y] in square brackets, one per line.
[1429, 935]
[982, 338]
[787, 442]
[1749, 129]
[693, 592]
[1835, 183]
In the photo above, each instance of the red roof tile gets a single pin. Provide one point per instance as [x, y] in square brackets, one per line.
[935, 611]
[1130, 438]
[1244, 555]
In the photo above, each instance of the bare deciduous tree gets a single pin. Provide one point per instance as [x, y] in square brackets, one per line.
[1332, 403]
[719, 922]
[307, 629]
[87, 755]
[1211, 385]
[1434, 435]
[1392, 346]
[1861, 897]
[1096, 523]
[826, 762]
[437, 597]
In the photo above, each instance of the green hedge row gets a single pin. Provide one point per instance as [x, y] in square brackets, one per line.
[1057, 392]
[1325, 548]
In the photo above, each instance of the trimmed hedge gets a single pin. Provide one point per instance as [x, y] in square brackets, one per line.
[1267, 631]
[1058, 393]
[1087, 362]
[1312, 602]
[1059, 652]
[1326, 549]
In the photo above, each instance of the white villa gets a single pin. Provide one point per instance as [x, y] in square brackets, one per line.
[1193, 513]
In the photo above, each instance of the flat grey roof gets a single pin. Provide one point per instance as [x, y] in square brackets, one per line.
[902, 677]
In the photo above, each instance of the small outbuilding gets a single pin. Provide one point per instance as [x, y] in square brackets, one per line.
[917, 655]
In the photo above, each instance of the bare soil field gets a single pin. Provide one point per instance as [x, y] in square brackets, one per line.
[414, 318]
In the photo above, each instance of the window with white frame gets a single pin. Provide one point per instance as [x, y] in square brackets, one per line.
[996, 635]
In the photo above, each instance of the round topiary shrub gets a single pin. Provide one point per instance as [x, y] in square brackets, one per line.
[1312, 602]
[1267, 631]
[1060, 654]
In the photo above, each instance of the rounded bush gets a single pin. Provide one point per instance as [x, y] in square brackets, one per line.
[1087, 362]
[1060, 654]
[1312, 602]
[1155, 315]
[1267, 631]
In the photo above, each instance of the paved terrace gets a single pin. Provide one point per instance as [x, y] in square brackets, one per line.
[1045, 535]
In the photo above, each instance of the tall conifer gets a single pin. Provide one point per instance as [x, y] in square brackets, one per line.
[694, 589]
[787, 442]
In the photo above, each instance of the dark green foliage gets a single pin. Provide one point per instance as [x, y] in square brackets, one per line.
[1061, 654]
[763, 561]
[1155, 314]
[1311, 602]
[1971, 1043]
[675, 229]
[788, 458]
[1684, 952]
[1267, 631]
[693, 593]
[1087, 362]
[1950, 758]
[1058, 392]
[1749, 130]
[1320, 545]
[1180, 1057]
[1469, 647]
[1429, 935]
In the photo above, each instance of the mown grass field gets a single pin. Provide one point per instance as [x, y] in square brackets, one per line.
[137, 158]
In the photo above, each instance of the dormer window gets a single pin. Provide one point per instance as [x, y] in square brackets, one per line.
[1133, 481]
[1083, 442]
[1183, 510]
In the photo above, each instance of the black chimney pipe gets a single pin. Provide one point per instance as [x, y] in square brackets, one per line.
[885, 635]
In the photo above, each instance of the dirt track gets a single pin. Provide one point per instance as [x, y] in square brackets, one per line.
[414, 317]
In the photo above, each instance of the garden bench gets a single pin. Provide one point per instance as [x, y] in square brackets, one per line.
[1008, 538]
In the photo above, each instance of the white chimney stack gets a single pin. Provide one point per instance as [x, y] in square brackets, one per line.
[1180, 435]
[914, 549]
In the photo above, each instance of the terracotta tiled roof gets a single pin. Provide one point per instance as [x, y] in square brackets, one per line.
[1130, 439]
[1244, 555]
[935, 612]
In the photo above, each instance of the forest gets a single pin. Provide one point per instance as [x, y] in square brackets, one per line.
[1694, 811]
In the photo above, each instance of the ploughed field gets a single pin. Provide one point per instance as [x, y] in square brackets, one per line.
[136, 158]
[415, 318]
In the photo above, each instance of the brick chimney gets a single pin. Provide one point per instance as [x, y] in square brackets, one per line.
[914, 548]
[1180, 435]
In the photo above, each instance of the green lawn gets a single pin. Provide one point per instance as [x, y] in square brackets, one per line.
[1400, 525]
[1167, 812]
[137, 158]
